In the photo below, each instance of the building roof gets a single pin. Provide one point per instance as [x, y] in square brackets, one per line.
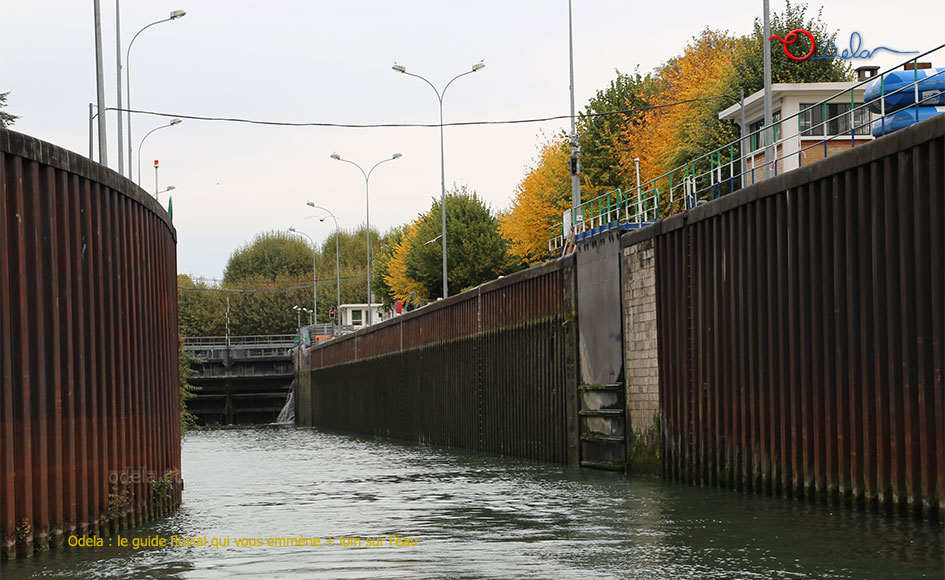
[755, 102]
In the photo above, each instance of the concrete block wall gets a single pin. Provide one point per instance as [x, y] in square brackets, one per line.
[641, 357]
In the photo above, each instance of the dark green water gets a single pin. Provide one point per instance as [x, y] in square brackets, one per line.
[480, 517]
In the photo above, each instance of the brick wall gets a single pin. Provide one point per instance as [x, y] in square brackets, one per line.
[642, 364]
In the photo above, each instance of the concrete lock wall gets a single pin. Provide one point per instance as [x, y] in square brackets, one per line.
[493, 369]
[800, 327]
[89, 400]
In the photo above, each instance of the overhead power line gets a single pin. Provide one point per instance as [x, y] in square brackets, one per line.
[409, 125]
[279, 289]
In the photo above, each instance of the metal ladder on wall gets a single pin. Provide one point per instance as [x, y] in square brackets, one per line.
[603, 432]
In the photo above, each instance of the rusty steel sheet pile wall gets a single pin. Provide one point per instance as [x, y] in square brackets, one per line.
[801, 332]
[491, 369]
[88, 349]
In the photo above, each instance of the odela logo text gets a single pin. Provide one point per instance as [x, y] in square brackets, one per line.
[828, 49]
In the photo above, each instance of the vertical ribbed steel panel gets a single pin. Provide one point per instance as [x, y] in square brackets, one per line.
[822, 375]
[89, 408]
[482, 370]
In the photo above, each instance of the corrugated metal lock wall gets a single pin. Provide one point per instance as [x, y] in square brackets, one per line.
[89, 409]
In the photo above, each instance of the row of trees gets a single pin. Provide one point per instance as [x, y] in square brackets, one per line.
[664, 118]
[265, 278]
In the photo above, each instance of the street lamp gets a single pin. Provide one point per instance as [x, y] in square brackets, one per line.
[439, 95]
[314, 278]
[298, 312]
[367, 212]
[171, 124]
[337, 260]
[175, 15]
[165, 190]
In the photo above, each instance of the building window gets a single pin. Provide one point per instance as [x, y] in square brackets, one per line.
[838, 119]
[356, 317]
[755, 139]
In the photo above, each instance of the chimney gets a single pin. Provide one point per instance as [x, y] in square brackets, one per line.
[866, 72]
[912, 65]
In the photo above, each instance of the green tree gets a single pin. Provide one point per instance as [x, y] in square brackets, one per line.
[201, 311]
[187, 391]
[266, 306]
[476, 252]
[603, 135]
[353, 271]
[384, 253]
[269, 256]
[6, 119]
[747, 71]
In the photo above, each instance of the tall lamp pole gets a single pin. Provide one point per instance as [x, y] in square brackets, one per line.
[141, 143]
[367, 213]
[337, 258]
[100, 85]
[768, 135]
[121, 143]
[314, 277]
[575, 167]
[439, 95]
[175, 15]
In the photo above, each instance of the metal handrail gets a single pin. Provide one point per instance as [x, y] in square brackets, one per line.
[251, 340]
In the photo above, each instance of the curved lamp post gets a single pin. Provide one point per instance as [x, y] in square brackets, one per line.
[367, 231]
[439, 95]
[314, 278]
[337, 261]
[165, 190]
[171, 124]
[175, 15]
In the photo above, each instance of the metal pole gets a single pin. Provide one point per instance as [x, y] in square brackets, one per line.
[141, 146]
[155, 177]
[575, 145]
[741, 142]
[174, 16]
[337, 279]
[337, 262]
[100, 85]
[367, 235]
[768, 134]
[367, 212]
[121, 147]
[446, 291]
[636, 161]
[91, 125]
[314, 286]
[439, 96]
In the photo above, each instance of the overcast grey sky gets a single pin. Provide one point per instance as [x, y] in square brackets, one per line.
[318, 61]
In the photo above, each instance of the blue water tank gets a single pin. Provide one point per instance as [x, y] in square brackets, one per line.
[931, 89]
[904, 118]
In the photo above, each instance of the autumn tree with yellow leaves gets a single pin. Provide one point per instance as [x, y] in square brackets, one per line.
[540, 198]
[666, 119]
[476, 252]
[683, 123]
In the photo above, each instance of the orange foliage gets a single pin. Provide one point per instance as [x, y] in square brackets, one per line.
[668, 134]
[539, 200]
[401, 285]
